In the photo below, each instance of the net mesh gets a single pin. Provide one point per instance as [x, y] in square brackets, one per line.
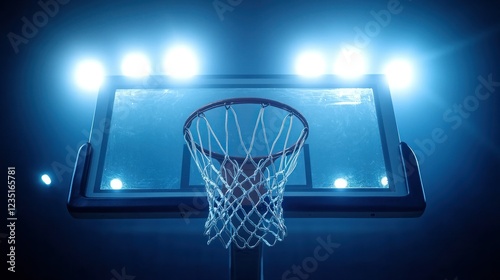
[245, 193]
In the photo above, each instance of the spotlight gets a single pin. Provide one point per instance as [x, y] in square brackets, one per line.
[181, 62]
[310, 64]
[399, 74]
[89, 75]
[136, 65]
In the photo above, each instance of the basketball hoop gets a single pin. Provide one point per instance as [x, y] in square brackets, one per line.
[245, 177]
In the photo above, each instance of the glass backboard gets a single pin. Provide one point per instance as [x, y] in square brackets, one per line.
[352, 163]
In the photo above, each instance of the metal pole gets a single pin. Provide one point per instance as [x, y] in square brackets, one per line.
[246, 264]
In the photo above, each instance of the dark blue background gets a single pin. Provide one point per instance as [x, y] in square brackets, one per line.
[44, 118]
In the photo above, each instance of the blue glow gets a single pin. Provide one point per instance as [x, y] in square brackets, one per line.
[310, 64]
[46, 179]
[350, 63]
[399, 73]
[116, 184]
[136, 65]
[89, 75]
[181, 62]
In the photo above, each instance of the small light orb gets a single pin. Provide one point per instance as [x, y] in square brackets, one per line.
[46, 179]
[384, 181]
[340, 183]
[116, 184]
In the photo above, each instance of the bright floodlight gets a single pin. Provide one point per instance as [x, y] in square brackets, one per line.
[181, 62]
[340, 183]
[89, 75]
[46, 179]
[310, 64]
[116, 184]
[399, 73]
[350, 63]
[136, 65]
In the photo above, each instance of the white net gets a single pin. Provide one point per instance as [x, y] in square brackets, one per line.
[245, 193]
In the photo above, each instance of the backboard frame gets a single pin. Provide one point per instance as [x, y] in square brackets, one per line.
[404, 198]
